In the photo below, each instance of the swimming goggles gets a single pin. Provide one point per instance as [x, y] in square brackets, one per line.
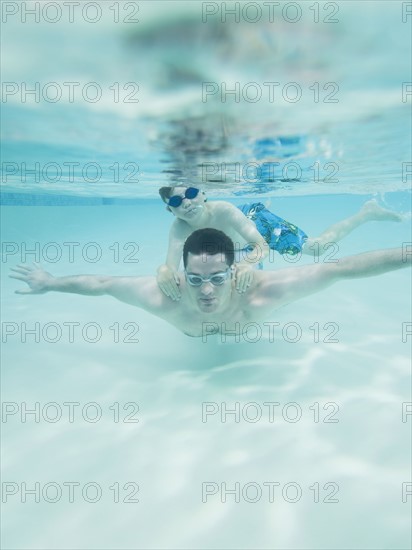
[176, 200]
[216, 279]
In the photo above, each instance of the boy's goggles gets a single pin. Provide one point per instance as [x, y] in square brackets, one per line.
[176, 200]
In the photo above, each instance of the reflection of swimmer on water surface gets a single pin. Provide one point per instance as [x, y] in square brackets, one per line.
[208, 293]
[253, 229]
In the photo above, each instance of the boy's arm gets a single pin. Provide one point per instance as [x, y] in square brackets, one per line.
[259, 248]
[247, 229]
[177, 236]
[167, 276]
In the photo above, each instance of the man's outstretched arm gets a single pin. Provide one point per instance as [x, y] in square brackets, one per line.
[137, 291]
[369, 264]
[287, 285]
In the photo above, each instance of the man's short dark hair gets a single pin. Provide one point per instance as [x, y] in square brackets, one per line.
[209, 241]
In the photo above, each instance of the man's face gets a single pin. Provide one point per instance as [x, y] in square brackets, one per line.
[209, 297]
[189, 209]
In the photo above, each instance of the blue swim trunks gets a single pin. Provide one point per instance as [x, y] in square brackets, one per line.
[282, 236]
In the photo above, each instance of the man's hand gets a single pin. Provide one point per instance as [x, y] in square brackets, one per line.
[243, 277]
[39, 281]
[168, 281]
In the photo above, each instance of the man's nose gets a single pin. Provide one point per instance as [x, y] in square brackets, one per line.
[185, 202]
[206, 289]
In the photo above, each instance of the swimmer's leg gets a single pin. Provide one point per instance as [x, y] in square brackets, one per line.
[370, 211]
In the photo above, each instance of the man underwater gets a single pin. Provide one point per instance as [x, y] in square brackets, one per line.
[208, 284]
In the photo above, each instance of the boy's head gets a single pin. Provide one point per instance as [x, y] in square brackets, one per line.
[165, 193]
[181, 198]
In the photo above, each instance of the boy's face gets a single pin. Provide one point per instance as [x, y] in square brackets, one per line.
[189, 208]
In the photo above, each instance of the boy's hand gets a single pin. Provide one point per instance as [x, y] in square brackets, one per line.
[168, 281]
[38, 280]
[244, 277]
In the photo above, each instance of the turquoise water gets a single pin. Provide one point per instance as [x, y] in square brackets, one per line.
[160, 377]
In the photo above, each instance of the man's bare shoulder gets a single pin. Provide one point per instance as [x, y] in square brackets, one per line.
[277, 288]
[268, 282]
[286, 277]
[142, 292]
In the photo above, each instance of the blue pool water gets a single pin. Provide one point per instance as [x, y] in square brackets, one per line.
[343, 354]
